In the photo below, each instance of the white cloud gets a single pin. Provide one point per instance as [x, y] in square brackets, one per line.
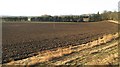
[55, 7]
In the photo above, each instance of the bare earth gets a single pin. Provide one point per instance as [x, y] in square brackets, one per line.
[60, 43]
[103, 51]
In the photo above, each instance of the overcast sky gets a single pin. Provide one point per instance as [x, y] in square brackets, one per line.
[55, 7]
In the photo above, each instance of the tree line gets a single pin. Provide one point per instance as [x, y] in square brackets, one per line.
[14, 18]
[106, 15]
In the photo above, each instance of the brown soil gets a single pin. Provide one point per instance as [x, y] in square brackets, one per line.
[22, 40]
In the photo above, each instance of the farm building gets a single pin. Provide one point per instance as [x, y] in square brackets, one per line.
[29, 18]
[86, 19]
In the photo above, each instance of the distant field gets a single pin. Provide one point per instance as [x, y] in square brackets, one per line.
[22, 40]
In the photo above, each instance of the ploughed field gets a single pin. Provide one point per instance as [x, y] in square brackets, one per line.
[22, 40]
